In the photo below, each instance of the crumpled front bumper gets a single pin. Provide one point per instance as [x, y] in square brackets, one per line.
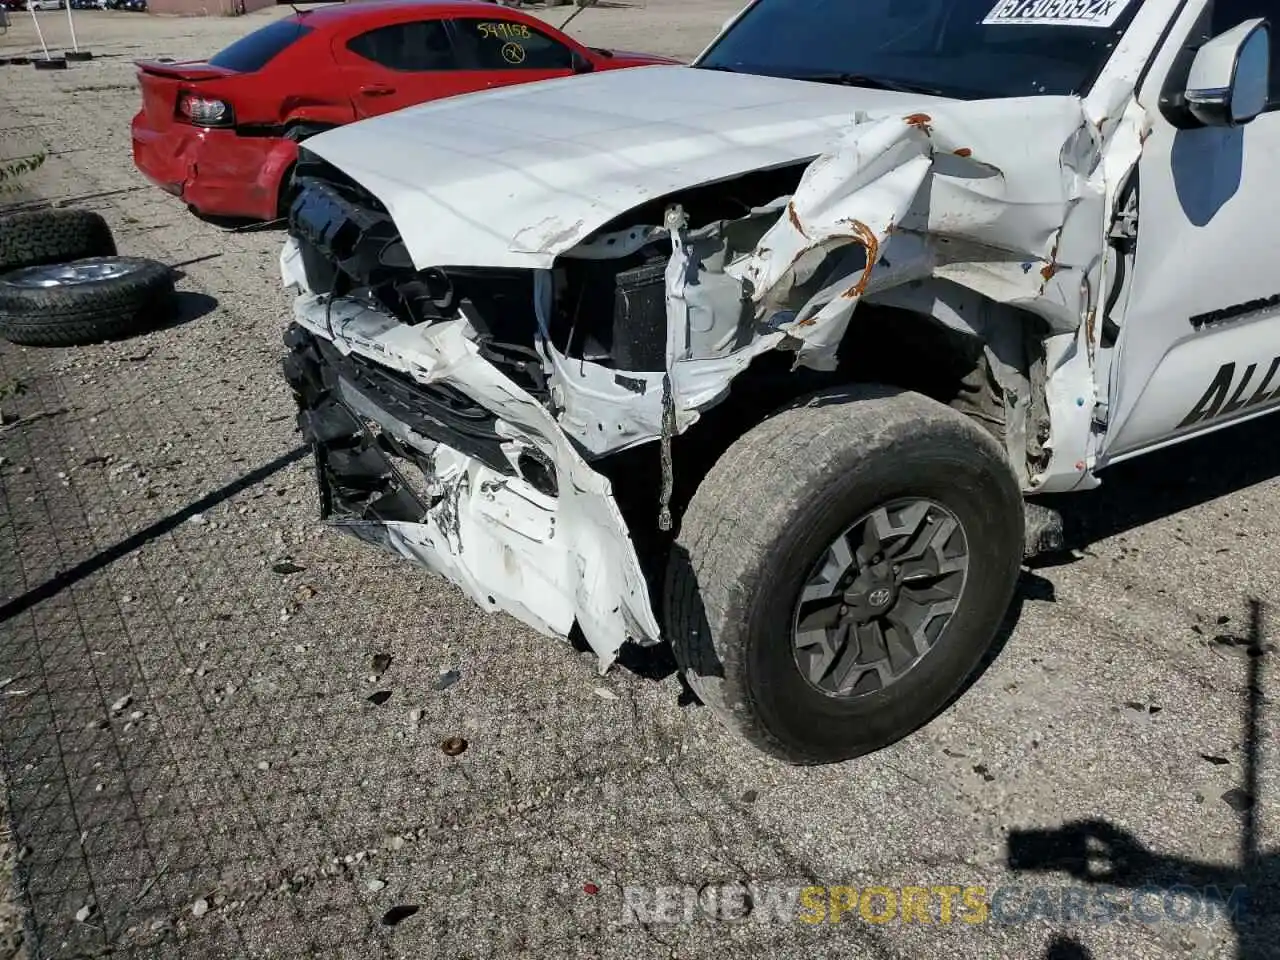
[425, 448]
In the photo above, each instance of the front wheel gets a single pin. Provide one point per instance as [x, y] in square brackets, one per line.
[842, 570]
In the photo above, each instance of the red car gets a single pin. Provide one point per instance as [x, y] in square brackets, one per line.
[223, 134]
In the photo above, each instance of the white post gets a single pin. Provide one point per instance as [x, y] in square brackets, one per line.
[70, 23]
[39, 32]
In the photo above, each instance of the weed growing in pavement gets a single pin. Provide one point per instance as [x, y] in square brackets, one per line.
[11, 170]
[15, 388]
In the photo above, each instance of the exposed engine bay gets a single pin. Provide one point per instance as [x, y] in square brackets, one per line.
[607, 297]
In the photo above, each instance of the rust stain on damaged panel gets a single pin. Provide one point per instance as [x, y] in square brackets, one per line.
[795, 219]
[920, 120]
[865, 236]
[1051, 268]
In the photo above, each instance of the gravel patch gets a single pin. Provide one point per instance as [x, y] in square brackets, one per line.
[227, 731]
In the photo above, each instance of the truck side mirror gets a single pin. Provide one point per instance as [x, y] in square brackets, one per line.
[1229, 78]
[581, 64]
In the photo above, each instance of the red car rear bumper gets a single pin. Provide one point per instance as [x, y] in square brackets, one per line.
[215, 172]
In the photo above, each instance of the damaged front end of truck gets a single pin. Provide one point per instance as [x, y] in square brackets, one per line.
[531, 431]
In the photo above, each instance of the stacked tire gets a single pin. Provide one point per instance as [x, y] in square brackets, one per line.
[63, 284]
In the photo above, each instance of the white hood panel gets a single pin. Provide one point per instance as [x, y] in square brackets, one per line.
[514, 177]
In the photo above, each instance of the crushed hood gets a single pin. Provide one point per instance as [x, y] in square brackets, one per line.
[514, 177]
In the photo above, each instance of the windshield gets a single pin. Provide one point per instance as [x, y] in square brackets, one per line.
[966, 49]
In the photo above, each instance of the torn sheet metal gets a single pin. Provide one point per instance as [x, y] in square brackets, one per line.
[995, 196]
[1009, 199]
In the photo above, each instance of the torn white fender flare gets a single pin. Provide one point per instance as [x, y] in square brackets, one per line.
[1008, 198]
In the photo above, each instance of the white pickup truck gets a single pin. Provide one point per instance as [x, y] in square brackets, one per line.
[761, 356]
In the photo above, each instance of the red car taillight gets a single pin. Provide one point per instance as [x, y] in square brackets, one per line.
[204, 111]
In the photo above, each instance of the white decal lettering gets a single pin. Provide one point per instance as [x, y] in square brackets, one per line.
[1062, 13]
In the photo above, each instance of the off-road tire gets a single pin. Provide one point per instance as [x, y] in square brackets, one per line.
[36, 237]
[763, 516]
[84, 313]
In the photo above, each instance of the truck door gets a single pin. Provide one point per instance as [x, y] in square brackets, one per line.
[1199, 342]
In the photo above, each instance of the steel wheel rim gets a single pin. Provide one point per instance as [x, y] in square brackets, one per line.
[69, 274]
[879, 598]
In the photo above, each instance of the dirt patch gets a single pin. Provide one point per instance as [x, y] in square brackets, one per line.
[12, 940]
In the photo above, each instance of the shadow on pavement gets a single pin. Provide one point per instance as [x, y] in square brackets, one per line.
[111, 554]
[1066, 948]
[241, 224]
[1099, 853]
[187, 307]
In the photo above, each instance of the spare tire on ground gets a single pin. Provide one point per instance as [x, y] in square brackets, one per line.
[36, 237]
[85, 301]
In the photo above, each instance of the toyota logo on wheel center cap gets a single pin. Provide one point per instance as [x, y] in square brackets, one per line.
[879, 597]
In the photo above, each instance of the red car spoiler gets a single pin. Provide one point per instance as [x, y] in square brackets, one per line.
[189, 70]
